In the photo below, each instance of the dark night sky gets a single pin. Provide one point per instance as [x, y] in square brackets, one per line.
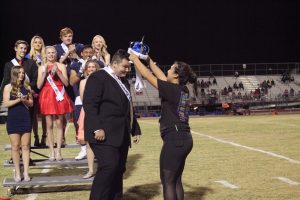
[197, 32]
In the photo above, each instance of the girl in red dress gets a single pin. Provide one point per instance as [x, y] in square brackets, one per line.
[54, 101]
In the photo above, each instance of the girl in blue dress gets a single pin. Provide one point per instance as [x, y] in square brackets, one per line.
[17, 98]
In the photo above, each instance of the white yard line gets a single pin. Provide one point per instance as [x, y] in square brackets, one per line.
[249, 148]
[273, 123]
[239, 145]
[287, 180]
[284, 124]
[227, 184]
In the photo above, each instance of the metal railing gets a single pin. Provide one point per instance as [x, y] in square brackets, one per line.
[242, 69]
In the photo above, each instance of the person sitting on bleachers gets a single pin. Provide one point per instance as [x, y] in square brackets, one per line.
[202, 85]
[239, 95]
[236, 74]
[256, 94]
[286, 94]
[292, 92]
[235, 86]
[229, 88]
[241, 86]
[208, 83]
[272, 82]
[226, 107]
[202, 92]
[215, 81]
[225, 91]
[214, 92]
[286, 76]
[262, 91]
[245, 96]
[269, 84]
[233, 95]
[251, 94]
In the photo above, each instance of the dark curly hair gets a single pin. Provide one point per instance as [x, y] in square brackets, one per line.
[185, 73]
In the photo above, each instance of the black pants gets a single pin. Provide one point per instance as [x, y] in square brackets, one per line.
[172, 161]
[108, 181]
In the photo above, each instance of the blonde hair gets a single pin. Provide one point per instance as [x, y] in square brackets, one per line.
[65, 31]
[51, 47]
[87, 64]
[103, 50]
[16, 84]
[33, 53]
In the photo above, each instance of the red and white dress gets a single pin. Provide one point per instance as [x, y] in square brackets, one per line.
[49, 105]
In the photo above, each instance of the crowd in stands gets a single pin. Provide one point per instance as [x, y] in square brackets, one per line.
[237, 92]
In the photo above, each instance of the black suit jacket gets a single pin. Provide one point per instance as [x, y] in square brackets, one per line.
[60, 51]
[107, 107]
[30, 68]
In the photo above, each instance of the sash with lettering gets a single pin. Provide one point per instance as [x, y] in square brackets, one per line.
[123, 87]
[59, 94]
[64, 47]
[80, 71]
[15, 63]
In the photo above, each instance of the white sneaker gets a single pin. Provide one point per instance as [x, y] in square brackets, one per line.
[81, 155]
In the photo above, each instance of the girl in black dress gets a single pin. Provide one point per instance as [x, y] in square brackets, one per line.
[174, 126]
[18, 98]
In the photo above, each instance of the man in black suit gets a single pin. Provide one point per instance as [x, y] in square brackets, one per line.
[29, 66]
[108, 122]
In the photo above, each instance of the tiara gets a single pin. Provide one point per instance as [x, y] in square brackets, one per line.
[140, 49]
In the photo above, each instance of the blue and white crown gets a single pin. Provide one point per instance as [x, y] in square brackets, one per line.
[140, 49]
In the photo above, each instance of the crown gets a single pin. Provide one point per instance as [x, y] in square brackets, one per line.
[140, 49]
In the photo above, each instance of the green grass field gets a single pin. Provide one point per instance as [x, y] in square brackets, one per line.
[233, 158]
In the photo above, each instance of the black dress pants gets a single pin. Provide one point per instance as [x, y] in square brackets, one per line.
[108, 181]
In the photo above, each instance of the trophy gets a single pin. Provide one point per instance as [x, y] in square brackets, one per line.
[140, 49]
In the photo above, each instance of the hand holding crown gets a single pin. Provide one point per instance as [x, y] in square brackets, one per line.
[133, 56]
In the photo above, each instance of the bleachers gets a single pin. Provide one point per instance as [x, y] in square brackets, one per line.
[250, 83]
[149, 97]
[45, 163]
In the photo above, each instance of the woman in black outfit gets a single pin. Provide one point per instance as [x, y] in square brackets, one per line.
[174, 126]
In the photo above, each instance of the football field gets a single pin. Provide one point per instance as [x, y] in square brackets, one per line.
[233, 158]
